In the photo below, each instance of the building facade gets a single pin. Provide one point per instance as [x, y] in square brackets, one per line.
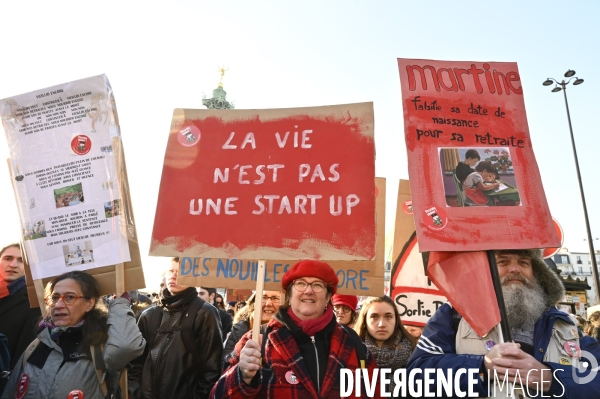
[576, 273]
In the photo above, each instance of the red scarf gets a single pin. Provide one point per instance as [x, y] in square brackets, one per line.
[3, 289]
[312, 326]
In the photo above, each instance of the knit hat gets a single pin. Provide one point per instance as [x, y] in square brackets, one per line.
[311, 268]
[347, 300]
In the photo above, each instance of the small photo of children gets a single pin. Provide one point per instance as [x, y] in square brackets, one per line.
[33, 231]
[112, 208]
[68, 196]
[78, 253]
[480, 176]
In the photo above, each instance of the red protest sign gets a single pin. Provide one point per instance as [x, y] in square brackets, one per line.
[268, 184]
[355, 277]
[473, 175]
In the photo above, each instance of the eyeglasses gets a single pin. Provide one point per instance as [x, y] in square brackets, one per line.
[274, 299]
[68, 299]
[303, 285]
[341, 309]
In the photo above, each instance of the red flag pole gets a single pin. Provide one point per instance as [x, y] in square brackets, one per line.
[505, 328]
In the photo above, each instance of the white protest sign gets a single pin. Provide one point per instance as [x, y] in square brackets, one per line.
[65, 176]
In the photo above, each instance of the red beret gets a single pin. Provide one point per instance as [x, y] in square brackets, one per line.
[347, 300]
[311, 268]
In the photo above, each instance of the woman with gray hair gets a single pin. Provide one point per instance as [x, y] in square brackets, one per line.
[58, 362]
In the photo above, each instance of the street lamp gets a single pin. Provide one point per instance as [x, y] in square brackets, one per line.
[562, 85]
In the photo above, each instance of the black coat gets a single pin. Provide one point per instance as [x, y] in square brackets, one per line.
[168, 369]
[18, 322]
[237, 332]
[226, 322]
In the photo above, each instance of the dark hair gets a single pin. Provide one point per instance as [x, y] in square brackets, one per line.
[487, 166]
[353, 318]
[361, 325]
[472, 154]
[14, 245]
[210, 292]
[175, 259]
[220, 304]
[95, 329]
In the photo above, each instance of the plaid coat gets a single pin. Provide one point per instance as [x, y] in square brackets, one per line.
[282, 355]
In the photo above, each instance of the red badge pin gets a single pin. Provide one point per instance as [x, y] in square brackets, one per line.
[189, 136]
[22, 387]
[76, 394]
[435, 218]
[572, 349]
[291, 377]
[81, 144]
[408, 207]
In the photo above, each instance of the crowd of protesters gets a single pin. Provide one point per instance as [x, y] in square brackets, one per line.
[188, 342]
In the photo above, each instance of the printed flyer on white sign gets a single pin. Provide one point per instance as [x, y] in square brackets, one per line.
[65, 176]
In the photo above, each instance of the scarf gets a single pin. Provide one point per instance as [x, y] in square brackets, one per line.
[178, 300]
[394, 352]
[3, 289]
[310, 327]
[55, 332]
[16, 285]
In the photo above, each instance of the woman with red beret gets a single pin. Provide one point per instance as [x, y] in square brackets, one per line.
[303, 347]
[344, 307]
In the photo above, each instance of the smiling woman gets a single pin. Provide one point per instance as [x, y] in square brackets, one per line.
[58, 360]
[298, 344]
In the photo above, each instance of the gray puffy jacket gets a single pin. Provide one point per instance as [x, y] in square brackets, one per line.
[57, 378]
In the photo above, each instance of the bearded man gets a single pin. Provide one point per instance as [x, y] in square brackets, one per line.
[546, 345]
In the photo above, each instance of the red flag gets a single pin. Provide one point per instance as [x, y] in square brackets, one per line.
[465, 279]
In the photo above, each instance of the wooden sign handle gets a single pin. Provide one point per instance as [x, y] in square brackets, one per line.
[39, 290]
[260, 285]
[120, 278]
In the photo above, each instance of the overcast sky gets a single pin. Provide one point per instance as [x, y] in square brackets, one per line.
[164, 55]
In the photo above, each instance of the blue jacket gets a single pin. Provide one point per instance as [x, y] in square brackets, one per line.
[436, 350]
